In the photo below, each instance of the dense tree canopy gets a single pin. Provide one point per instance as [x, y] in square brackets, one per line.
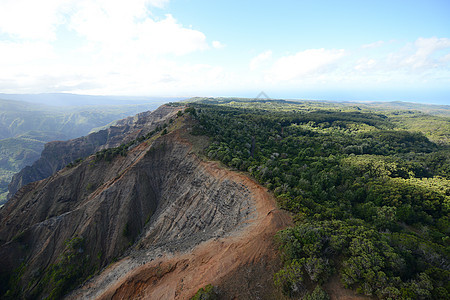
[370, 200]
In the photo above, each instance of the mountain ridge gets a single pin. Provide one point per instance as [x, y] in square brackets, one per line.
[25, 127]
[151, 217]
[159, 197]
[58, 154]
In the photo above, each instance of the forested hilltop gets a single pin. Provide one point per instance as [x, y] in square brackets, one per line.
[368, 188]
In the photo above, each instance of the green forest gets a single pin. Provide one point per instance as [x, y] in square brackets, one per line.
[368, 189]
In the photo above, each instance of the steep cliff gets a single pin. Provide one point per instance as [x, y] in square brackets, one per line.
[58, 154]
[161, 199]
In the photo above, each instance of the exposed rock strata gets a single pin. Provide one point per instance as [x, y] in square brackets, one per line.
[160, 196]
[240, 263]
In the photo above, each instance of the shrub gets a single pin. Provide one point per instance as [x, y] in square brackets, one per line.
[290, 279]
[317, 294]
[206, 293]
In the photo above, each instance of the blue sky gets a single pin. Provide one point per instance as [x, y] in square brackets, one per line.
[335, 50]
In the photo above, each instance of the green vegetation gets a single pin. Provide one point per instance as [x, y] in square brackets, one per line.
[370, 199]
[206, 293]
[317, 294]
[126, 231]
[436, 128]
[18, 152]
[71, 268]
[110, 153]
[68, 271]
[17, 118]
[26, 127]
[369, 191]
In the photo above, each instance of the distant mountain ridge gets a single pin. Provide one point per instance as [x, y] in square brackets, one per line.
[76, 100]
[25, 127]
[58, 154]
[18, 117]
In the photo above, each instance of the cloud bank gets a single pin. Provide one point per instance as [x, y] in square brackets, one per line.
[113, 47]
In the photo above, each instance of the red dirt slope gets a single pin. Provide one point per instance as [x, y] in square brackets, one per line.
[245, 255]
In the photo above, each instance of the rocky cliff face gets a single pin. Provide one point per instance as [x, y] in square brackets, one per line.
[58, 154]
[161, 199]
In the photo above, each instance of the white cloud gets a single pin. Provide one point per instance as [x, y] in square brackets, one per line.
[158, 76]
[110, 46]
[39, 20]
[27, 19]
[365, 64]
[118, 47]
[259, 59]
[157, 3]
[24, 52]
[445, 58]
[420, 62]
[373, 45]
[167, 36]
[413, 59]
[306, 63]
[423, 56]
[218, 45]
[119, 28]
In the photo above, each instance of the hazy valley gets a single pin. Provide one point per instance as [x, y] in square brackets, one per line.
[25, 127]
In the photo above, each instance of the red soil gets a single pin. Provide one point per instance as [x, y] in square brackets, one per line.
[248, 255]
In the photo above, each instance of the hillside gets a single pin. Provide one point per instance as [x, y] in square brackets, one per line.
[188, 196]
[18, 117]
[370, 199]
[157, 196]
[26, 127]
[58, 154]
[21, 151]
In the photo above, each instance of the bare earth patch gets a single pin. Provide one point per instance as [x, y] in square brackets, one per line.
[249, 251]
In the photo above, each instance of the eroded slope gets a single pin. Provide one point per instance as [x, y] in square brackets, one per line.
[161, 197]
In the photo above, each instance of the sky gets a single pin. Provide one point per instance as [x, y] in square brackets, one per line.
[325, 50]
